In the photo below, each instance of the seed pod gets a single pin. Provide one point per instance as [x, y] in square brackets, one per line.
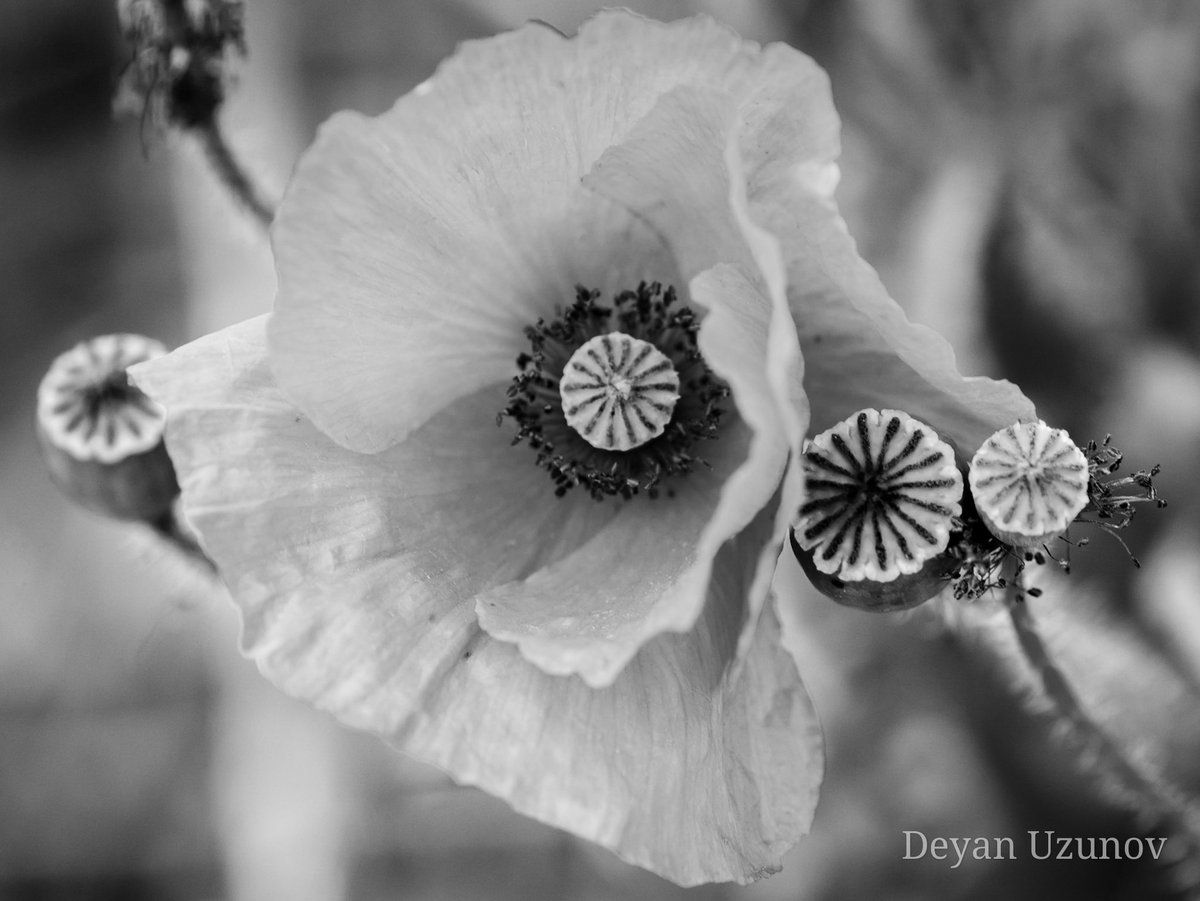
[1029, 482]
[902, 593]
[618, 392]
[100, 436]
[882, 493]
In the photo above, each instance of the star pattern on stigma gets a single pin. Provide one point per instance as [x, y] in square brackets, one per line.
[651, 314]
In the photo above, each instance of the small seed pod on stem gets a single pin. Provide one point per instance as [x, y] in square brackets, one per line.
[100, 436]
[883, 491]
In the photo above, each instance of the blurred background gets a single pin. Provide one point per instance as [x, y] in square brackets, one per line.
[1024, 175]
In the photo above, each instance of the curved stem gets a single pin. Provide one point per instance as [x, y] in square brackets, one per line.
[1151, 795]
[231, 172]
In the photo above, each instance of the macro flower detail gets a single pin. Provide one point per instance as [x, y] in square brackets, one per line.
[883, 494]
[451, 583]
[618, 392]
[101, 437]
[1029, 482]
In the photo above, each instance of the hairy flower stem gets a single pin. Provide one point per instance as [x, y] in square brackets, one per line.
[1145, 794]
[170, 530]
[231, 173]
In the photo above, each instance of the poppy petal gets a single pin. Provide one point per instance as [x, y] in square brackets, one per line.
[589, 613]
[313, 542]
[412, 248]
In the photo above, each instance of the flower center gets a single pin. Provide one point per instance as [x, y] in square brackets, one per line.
[618, 392]
[613, 398]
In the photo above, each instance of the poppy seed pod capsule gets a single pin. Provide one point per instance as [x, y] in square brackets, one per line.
[1029, 482]
[882, 493]
[100, 436]
[618, 392]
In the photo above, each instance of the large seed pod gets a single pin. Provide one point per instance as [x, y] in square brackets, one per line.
[882, 494]
[101, 437]
[1029, 482]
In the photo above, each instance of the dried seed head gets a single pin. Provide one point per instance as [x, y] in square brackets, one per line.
[882, 493]
[101, 437]
[1029, 482]
[618, 392]
[178, 71]
[87, 406]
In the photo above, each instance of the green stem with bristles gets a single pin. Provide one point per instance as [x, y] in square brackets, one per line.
[1147, 795]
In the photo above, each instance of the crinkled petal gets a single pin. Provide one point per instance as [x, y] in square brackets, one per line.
[408, 299]
[679, 171]
[686, 764]
[646, 572]
[651, 570]
[413, 247]
[859, 348]
[670, 173]
[475, 519]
